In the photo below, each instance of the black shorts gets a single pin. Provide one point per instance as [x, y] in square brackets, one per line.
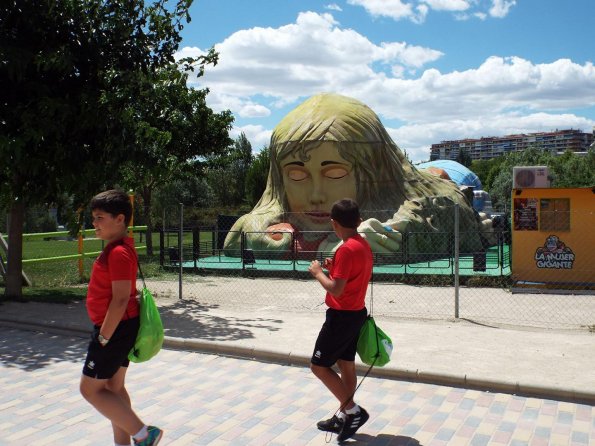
[104, 362]
[338, 337]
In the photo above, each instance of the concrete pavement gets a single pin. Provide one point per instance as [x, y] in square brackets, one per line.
[552, 364]
[204, 399]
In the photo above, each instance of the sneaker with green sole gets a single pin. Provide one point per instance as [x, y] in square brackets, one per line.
[152, 438]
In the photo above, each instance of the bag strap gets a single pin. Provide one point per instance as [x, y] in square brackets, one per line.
[376, 356]
[372, 294]
[342, 406]
[140, 271]
[373, 322]
[133, 251]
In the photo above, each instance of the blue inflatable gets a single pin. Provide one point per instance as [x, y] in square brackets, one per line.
[456, 171]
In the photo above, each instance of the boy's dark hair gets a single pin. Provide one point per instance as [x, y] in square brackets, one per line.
[115, 202]
[346, 213]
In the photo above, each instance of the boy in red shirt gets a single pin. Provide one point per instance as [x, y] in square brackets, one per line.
[349, 273]
[113, 308]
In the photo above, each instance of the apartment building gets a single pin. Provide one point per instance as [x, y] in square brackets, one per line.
[492, 146]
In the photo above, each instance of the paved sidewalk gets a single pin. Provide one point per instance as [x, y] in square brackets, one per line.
[543, 363]
[212, 400]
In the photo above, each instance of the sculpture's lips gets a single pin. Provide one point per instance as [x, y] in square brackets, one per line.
[319, 216]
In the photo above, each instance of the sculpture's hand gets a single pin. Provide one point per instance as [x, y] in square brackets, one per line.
[329, 245]
[277, 237]
[487, 229]
[381, 237]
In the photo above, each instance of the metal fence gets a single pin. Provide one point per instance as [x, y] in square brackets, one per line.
[190, 262]
[437, 284]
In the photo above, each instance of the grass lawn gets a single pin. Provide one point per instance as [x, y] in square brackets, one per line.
[56, 275]
[52, 295]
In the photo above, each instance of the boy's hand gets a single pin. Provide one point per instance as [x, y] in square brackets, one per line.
[315, 268]
[328, 263]
[333, 286]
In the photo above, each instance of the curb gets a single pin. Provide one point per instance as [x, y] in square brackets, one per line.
[290, 359]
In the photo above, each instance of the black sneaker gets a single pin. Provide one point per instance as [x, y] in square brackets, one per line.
[352, 423]
[334, 425]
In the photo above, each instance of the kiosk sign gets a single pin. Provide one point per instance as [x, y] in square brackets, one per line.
[554, 254]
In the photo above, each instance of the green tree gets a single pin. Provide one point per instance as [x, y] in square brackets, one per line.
[227, 174]
[501, 187]
[242, 159]
[493, 172]
[464, 158]
[572, 170]
[184, 131]
[484, 168]
[568, 170]
[69, 71]
[256, 178]
[191, 190]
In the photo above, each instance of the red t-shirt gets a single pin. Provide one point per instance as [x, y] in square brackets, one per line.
[117, 261]
[353, 262]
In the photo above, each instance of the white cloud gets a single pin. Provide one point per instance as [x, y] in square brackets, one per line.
[254, 111]
[448, 5]
[501, 8]
[265, 69]
[398, 71]
[417, 10]
[408, 55]
[258, 136]
[333, 7]
[499, 85]
[395, 9]
[300, 59]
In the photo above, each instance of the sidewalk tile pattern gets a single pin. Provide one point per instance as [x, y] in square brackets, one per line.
[201, 399]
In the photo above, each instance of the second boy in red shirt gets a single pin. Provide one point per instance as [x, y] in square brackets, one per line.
[349, 274]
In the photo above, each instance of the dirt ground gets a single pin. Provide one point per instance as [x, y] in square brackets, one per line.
[492, 306]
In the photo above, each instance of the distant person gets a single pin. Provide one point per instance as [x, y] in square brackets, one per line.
[113, 308]
[350, 270]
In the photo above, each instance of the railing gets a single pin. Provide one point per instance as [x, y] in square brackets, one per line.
[201, 250]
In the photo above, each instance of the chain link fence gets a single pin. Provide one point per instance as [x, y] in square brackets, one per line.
[438, 282]
[427, 277]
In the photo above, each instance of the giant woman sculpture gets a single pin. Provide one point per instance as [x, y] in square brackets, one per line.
[331, 147]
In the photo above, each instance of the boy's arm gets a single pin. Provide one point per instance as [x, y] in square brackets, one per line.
[333, 286]
[117, 307]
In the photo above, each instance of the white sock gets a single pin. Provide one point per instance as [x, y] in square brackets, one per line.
[341, 416]
[141, 434]
[353, 410]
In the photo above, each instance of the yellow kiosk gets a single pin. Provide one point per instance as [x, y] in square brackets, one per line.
[553, 238]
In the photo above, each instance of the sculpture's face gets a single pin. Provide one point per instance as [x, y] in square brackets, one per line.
[313, 186]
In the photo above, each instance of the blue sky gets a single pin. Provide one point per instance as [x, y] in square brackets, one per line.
[433, 70]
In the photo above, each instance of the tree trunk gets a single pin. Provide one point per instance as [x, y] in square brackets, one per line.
[147, 192]
[14, 270]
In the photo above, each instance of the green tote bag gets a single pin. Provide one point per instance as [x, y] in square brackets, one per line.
[374, 347]
[150, 334]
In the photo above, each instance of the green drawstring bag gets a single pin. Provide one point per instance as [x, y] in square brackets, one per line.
[150, 334]
[374, 347]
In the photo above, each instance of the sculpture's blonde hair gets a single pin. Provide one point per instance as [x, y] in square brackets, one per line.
[388, 187]
[383, 176]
